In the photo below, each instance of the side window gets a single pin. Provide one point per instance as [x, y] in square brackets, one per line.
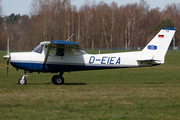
[56, 52]
[59, 52]
[78, 51]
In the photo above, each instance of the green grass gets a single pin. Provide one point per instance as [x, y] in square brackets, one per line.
[134, 93]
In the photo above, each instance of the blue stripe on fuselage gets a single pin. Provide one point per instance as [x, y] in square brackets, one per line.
[37, 67]
[48, 68]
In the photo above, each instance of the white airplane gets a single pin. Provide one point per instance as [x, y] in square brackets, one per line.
[62, 56]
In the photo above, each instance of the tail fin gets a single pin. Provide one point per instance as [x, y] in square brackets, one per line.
[158, 46]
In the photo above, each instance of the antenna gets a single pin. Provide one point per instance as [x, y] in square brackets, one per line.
[70, 37]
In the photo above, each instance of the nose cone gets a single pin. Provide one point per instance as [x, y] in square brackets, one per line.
[6, 56]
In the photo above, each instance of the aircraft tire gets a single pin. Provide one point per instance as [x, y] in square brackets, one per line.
[58, 80]
[53, 78]
[22, 81]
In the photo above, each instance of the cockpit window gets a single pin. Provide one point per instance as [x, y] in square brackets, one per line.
[38, 49]
[78, 51]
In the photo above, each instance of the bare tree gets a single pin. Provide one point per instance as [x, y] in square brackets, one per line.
[95, 25]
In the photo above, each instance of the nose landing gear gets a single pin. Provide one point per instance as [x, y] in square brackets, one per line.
[22, 80]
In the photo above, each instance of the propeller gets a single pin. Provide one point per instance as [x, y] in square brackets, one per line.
[7, 56]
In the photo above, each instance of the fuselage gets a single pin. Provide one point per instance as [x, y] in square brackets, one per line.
[75, 60]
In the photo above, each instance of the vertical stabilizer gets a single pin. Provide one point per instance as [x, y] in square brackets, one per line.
[158, 46]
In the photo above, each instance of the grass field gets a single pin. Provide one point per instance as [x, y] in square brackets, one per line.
[135, 93]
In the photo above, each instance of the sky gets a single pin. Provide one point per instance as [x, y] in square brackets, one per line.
[22, 7]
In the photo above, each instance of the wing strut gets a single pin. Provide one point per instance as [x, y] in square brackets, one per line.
[46, 56]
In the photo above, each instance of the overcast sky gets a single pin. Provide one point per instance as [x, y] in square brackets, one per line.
[23, 6]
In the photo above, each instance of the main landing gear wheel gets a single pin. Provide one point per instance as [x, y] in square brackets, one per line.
[53, 78]
[22, 81]
[58, 80]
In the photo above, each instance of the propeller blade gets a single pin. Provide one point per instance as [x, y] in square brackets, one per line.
[7, 66]
[7, 56]
[8, 46]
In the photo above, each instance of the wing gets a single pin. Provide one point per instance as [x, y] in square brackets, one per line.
[64, 44]
[61, 44]
[58, 44]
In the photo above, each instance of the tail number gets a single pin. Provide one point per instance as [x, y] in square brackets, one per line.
[105, 60]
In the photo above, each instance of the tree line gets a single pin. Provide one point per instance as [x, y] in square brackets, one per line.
[95, 26]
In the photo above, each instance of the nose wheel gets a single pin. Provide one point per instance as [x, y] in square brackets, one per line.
[22, 80]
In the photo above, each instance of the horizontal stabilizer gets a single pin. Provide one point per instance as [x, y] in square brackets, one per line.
[148, 60]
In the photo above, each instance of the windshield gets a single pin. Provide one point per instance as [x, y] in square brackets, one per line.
[38, 49]
[78, 51]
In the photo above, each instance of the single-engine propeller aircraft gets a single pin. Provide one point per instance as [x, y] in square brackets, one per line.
[63, 56]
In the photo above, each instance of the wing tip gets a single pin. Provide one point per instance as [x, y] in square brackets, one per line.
[168, 28]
